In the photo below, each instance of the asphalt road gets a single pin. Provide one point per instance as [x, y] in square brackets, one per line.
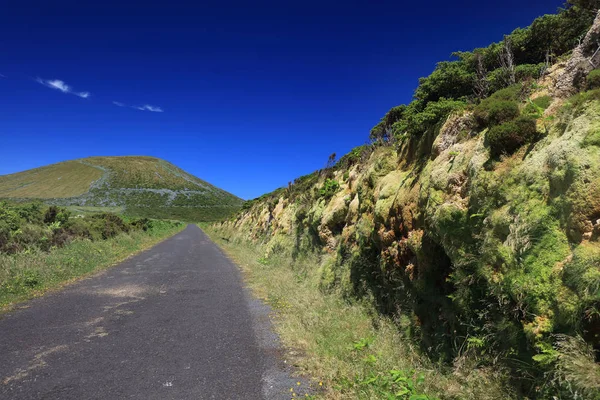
[173, 322]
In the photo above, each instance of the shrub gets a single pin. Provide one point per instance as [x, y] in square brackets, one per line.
[496, 79]
[4, 235]
[78, 227]
[33, 226]
[348, 160]
[330, 187]
[395, 114]
[593, 79]
[50, 215]
[30, 212]
[382, 131]
[450, 80]
[143, 224]
[514, 92]
[493, 112]
[9, 217]
[526, 72]
[109, 225]
[510, 136]
[416, 122]
[378, 132]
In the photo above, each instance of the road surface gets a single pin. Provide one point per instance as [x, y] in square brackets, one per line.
[173, 322]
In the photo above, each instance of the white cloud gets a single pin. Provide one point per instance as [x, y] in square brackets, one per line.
[62, 86]
[2, 76]
[145, 107]
[148, 107]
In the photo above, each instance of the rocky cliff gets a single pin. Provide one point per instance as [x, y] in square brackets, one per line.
[494, 256]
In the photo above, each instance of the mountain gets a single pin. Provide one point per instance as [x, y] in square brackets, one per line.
[140, 186]
[473, 216]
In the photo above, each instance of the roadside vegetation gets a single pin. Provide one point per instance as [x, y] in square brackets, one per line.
[349, 349]
[42, 246]
[466, 233]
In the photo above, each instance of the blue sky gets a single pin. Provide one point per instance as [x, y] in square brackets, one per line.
[246, 95]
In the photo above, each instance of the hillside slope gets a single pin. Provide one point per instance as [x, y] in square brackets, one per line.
[472, 220]
[142, 186]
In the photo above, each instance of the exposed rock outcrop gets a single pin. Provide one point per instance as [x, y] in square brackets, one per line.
[585, 58]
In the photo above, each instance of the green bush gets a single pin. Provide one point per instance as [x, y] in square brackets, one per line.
[492, 112]
[143, 224]
[50, 215]
[450, 80]
[30, 212]
[593, 79]
[330, 187]
[417, 121]
[79, 227]
[496, 79]
[526, 72]
[353, 157]
[510, 136]
[34, 226]
[378, 132]
[513, 92]
[109, 225]
[381, 131]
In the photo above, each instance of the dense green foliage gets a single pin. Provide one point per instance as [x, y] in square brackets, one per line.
[29, 226]
[494, 112]
[509, 136]
[593, 79]
[41, 247]
[454, 82]
[330, 187]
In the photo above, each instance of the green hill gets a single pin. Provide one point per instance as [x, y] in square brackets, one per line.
[139, 186]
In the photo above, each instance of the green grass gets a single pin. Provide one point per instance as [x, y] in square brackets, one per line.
[208, 214]
[83, 210]
[345, 344]
[29, 274]
[68, 179]
[188, 214]
[147, 172]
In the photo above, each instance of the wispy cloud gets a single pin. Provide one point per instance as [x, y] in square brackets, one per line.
[148, 107]
[145, 107]
[2, 76]
[62, 86]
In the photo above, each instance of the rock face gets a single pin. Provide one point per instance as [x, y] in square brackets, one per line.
[585, 58]
[449, 132]
[457, 244]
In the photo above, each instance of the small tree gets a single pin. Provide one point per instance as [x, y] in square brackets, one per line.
[482, 86]
[50, 215]
[507, 62]
[331, 161]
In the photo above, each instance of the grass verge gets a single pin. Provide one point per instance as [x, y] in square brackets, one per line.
[350, 350]
[30, 274]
